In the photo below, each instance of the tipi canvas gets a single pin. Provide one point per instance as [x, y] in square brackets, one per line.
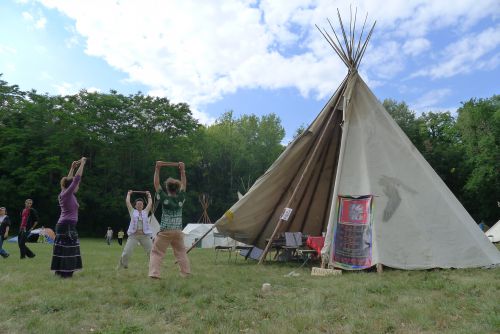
[354, 148]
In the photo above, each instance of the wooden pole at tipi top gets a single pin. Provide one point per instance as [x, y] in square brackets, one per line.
[352, 60]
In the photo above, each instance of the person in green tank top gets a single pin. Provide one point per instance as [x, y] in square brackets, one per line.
[172, 200]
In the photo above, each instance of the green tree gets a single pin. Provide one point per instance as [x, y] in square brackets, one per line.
[401, 113]
[443, 150]
[237, 149]
[479, 127]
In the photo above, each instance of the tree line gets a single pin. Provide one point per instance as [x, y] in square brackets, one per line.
[123, 136]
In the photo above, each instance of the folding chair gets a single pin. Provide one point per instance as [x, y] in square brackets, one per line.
[222, 248]
[293, 240]
[242, 248]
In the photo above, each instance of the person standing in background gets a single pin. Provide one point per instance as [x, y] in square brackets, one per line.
[121, 234]
[4, 230]
[109, 235]
[29, 220]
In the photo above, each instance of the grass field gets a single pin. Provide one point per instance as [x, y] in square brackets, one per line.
[226, 297]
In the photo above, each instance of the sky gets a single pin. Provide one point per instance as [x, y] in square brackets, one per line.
[251, 57]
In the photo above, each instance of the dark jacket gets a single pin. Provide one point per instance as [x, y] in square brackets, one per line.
[32, 218]
[3, 225]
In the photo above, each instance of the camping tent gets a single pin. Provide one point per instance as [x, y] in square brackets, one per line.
[355, 148]
[46, 232]
[34, 235]
[193, 232]
[494, 232]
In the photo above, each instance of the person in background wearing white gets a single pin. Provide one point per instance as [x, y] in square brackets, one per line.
[109, 235]
[139, 230]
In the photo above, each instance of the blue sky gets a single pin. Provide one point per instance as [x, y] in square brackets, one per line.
[249, 56]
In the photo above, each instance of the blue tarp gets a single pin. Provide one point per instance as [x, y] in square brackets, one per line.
[48, 239]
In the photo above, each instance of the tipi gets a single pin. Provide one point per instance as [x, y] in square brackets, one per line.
[494, 232]
[354, 148]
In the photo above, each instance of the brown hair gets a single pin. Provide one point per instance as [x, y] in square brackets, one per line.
[66, 182]
[171, 180]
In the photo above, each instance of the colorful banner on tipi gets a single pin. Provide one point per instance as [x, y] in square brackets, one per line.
[352, 243]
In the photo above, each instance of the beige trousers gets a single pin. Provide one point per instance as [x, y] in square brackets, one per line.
[162, 241]
[143, 239]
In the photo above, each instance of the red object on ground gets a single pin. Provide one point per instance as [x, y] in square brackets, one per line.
[315, 243]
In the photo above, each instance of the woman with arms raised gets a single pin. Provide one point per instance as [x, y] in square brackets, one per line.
[66, 257]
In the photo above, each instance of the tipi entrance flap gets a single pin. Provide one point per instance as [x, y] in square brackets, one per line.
[257, 213]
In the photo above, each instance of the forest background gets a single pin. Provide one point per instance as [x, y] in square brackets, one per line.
[123, 136]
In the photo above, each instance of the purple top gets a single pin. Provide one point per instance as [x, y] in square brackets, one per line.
[68, 203]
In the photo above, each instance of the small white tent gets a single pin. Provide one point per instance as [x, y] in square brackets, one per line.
[494, 233]
[193, 232]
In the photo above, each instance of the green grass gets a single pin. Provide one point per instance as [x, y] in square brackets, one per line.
[226, 298]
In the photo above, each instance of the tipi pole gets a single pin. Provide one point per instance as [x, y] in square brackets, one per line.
[345, 131]
[331, 101]
[316, 183]
[306, 169]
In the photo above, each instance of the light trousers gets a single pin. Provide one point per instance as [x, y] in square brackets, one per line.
[143, 239]
[160, 245]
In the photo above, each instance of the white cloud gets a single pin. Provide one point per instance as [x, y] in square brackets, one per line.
[5, 49]
[202, 117]
[489, 64]
[9, 68]
[66, 88]
[45, 76]
[198, 51]
[430, 100]
[385, 60]
[27, 16]
[73, 40]
[40, 23]
[93, 90]
[414, 47]
[38, 20]
[464, 56]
